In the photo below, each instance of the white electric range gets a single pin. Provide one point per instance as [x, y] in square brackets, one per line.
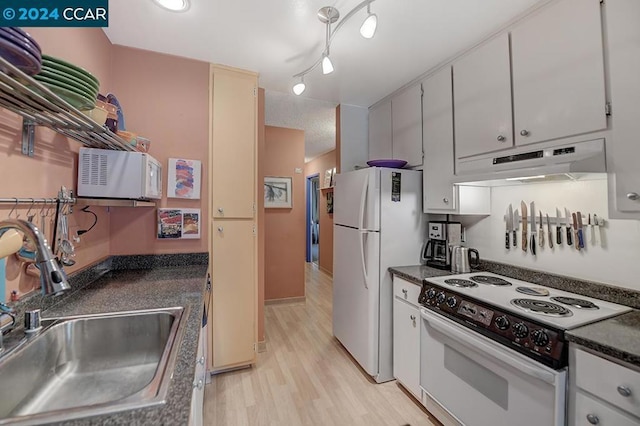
[493, 350]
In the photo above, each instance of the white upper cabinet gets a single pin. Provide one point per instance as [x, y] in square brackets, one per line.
[380, 132]
[558, 72]
[623, 38]
[406, 122]
[440, 194]
[482, 99]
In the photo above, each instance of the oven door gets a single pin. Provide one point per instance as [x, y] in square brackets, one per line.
[482, 383]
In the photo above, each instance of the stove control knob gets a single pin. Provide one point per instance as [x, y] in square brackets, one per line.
[540, 338]
[520, 330]
[441, 298]
[431, 293]
[452, 302]
[502, 322]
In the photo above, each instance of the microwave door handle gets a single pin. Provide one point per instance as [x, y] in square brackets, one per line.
[363, 236]
[471, 342]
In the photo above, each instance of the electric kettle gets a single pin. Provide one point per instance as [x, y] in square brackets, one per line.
[462, 259]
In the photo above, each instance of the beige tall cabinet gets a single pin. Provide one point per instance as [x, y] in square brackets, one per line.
[233, 239]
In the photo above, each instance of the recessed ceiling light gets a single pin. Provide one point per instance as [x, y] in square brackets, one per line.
[173, 5]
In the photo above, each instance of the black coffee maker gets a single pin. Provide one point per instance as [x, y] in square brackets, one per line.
[441, 236]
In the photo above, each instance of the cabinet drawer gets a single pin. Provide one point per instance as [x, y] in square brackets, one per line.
[405, 290]
[590, 411]
[608, 380]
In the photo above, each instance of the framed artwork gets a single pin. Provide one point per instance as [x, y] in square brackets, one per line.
[183, 180]
[178, 224]
[328, 177]
[330, 202]
[278, 192]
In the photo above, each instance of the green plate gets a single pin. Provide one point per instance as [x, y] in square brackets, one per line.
[70, 68]
[78, 101]
[68, 79]
[55, 82]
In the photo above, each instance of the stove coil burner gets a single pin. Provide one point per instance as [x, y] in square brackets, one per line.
[575, 302]
[542, 307]
[457, 282]
[486, 279]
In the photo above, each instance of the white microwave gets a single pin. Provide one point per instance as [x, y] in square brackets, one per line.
[118, 174]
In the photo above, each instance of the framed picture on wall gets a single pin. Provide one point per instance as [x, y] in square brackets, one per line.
[330, 202]
[178, 223]
[327, 178]
[183, 178]
[278, 192]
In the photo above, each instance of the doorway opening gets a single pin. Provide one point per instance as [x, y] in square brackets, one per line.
[313, 224]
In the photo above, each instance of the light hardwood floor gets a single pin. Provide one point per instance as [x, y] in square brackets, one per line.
[306, 377]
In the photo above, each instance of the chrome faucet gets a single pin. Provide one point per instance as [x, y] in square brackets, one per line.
[53, 279]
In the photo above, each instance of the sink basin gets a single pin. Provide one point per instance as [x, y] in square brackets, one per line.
[89, 365]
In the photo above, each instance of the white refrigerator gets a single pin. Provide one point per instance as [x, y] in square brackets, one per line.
[378, 223]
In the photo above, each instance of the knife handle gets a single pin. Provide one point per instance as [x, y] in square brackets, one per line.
[569, 236]
[550, 238]
[533, 243]
[541, 237]
[506, 240]
[515, 234]
[524, 241]
[558, 235]
[580, 243]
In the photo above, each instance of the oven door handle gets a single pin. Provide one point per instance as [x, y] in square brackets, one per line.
[477, 345]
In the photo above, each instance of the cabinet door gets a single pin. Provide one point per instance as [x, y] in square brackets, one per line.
[380, 132]
[233, 144]
[197, 395]
[406, 122]
[558, 72]
[482, 99]
[233, 304]
[437, 125]
[406, 345]
[623, 38]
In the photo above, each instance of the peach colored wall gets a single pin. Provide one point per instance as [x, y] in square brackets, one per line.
[285, 228]
[325, 247]
[55, 161]
[166, 99]
[261, 229]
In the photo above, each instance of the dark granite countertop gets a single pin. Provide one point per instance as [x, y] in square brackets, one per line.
[617, 337]
[417, 273]
[120, 289]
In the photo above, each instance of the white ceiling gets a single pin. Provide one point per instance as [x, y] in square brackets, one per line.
[279, 38]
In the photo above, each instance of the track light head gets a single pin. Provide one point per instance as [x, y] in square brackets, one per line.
[327, 65]
[368, 28]
[299, 87]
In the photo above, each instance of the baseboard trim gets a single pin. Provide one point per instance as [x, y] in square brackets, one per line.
[286, 300]
[326, 271]
[262, 346]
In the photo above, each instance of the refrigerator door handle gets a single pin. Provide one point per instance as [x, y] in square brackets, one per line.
[363, 199]
[364, 265]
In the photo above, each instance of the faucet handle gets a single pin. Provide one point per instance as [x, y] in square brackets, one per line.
[32, 321]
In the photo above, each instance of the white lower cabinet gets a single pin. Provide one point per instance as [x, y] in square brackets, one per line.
[199, 380]
[602, 392]
[406, 335]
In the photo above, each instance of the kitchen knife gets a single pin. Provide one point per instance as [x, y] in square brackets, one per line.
[575, 230]
[580, 231]
[541, 232]
[509, 220]
[550, 232]
[533, 228]
[514, 225]
[525, 241]
[558, 227]
[596, 230]
[569, 233]
[593, 228]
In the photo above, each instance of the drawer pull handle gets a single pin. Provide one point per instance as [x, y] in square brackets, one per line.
[198, 385]
[404, 290]
[624, 391]
[633, 196]
[201, 360]
[593, 419]
[413, 317]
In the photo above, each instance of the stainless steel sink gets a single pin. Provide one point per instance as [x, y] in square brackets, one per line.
[90, 365]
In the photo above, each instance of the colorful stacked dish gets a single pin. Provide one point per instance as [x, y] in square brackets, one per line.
[73, 84]
[20, 50]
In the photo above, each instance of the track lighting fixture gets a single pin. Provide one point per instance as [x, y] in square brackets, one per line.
[329, 15]
[368, 28]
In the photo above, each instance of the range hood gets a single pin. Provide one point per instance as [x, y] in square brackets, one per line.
[551, 162]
